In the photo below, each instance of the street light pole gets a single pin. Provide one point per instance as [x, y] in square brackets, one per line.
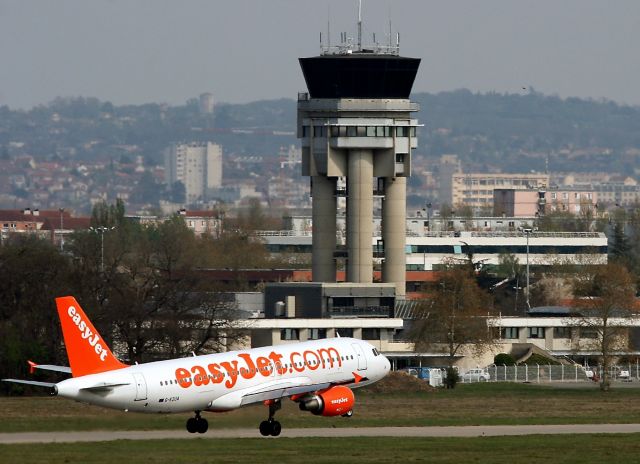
[101, 230]
[61, 229]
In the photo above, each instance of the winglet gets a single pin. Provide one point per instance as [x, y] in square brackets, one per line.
[32, 367]
[87, 351]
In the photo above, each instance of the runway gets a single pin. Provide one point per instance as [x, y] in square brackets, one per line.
[464, 431]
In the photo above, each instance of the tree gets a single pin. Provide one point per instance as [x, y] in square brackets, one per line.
[620, 248]
[32, 274]
[151, 298]
[453, 316]
[607, 297]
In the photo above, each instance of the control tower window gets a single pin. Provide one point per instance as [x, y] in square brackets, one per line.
[387, 131]
[305, 131]
[361, 131]
[318, 131]
[351, 131]
[412, 131]
[371, 131]
[402, 131]
[380, 131]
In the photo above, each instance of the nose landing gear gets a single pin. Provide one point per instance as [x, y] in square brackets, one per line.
[197, 424]
[271, 426]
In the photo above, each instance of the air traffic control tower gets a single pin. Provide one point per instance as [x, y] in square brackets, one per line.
[355, 125]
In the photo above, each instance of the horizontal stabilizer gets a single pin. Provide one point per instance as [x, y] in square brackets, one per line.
[31, 382]
[49, 367]
[102, 386]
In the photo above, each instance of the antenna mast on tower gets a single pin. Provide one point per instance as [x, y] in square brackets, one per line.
[359, 25]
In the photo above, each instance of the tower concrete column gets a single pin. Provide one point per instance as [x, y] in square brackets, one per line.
[394, 213]
[360, 216]
[323, 244]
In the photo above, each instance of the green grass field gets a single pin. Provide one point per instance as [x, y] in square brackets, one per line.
[476, 404]
[479, 404]
[529, 449]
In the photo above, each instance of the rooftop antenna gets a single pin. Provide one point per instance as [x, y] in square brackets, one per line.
[328, 28]
[359, 25]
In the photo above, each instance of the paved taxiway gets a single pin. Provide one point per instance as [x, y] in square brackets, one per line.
[465, 431]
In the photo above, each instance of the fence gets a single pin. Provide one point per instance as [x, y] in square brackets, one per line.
[539, 373]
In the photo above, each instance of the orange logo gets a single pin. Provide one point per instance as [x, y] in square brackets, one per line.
[247, 368]
[86, 333]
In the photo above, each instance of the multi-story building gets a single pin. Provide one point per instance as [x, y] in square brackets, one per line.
[197, 165]
[529, 203]
[448, 166]
[475, 189]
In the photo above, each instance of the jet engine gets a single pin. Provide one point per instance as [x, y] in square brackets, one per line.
[335, 401]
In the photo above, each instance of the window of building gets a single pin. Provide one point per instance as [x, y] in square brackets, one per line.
[351, 131]
[371, 131]
[588, 332]
[318, 131]
[371, 334]
[401, 131]
[400, 157]
[361, 131]
[343, 131]
[305, 131]
[334, 131]
[344, 332]
[317, 334]
[387, 131]
[562, 332]
[289, 334]
[510, 333]
[536, 332]
[380, 131]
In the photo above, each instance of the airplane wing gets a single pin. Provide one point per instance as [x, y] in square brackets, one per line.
[281, 391]
[48, 367]
[31, 382]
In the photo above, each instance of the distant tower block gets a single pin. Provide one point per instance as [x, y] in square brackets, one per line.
[206, 103]
[355, 122]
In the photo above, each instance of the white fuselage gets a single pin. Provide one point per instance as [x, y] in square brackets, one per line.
[224, 381]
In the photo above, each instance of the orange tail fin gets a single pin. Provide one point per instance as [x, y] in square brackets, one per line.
[87, 351]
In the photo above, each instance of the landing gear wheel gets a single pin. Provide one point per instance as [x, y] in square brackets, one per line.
[192, 425]
[202, 425]
[271, 426]
[265, 428]
[348, 413]
[276, 428]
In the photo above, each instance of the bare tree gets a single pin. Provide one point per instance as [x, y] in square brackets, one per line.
[454, 315]
[607, 298]
[151, 300]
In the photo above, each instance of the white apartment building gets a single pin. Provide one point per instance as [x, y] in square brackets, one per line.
[475, 189]
[198, 165]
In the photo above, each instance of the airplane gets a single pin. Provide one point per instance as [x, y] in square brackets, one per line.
[319, 375]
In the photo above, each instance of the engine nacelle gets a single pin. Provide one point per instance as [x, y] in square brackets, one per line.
[334, 401]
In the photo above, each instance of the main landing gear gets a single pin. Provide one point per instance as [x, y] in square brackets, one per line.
[271, 426]
[197, 424]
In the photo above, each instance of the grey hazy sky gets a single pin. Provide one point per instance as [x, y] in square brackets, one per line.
[136, 51]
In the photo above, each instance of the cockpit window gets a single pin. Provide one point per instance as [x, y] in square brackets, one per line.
[375, 352]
